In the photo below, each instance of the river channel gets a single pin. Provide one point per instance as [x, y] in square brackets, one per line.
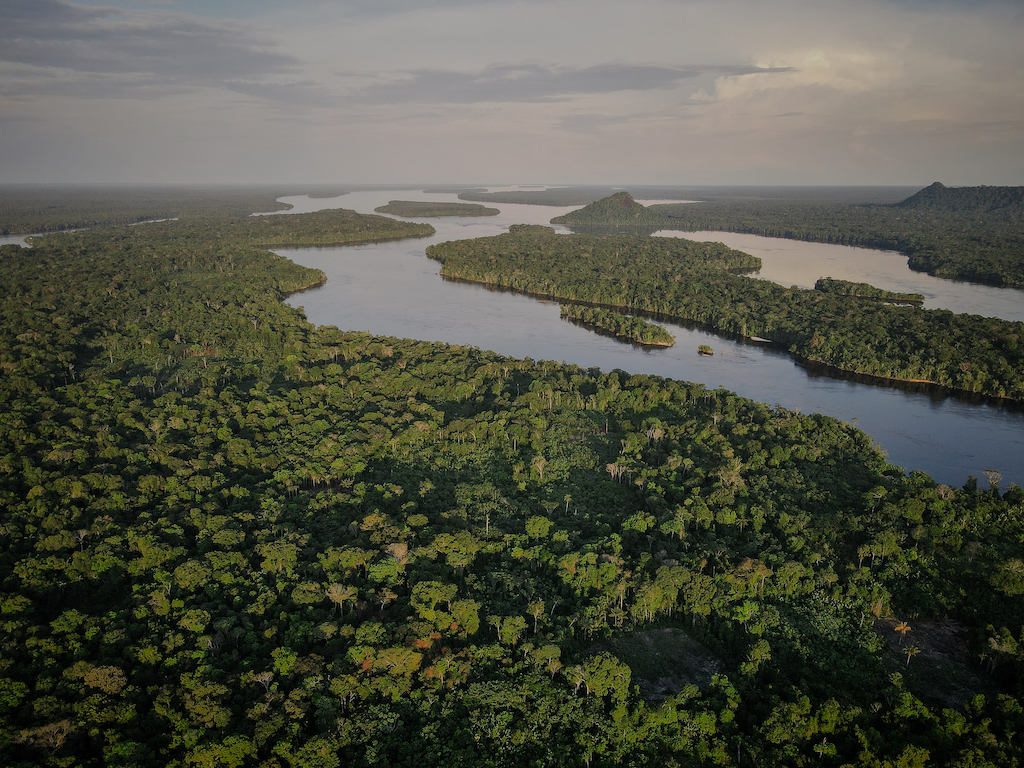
[393, 289]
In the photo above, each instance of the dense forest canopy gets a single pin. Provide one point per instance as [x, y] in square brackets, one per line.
[29, 208]
[973, 233]
[1007, 202]
[632, 329]
[848, 288]
[25, 209]
[698, 282]
[231, 538]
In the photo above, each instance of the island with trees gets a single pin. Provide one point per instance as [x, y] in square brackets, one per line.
[700, 282]
[970, 233]
[632, 329]
[866, 290]
[412, 210]
[232, 538]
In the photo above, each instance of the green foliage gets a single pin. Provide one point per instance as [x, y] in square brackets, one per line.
[938, 197]
[971, 233]
[847, 288]
[618, 210]
[555, 196]
[25, 209]
[696, 282]
[527, 229]
[634, 329]
[232, 538]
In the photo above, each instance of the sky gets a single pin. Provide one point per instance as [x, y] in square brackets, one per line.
[675, 92]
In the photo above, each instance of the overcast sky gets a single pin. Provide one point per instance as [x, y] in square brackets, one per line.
[513, 91]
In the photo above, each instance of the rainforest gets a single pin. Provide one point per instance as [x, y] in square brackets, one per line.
[699, 282]
[966, 233]
[233, 538]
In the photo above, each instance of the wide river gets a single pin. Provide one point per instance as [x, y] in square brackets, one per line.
[393, 289]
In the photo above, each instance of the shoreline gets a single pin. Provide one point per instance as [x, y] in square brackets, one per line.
[602, 331]
[1010, 401]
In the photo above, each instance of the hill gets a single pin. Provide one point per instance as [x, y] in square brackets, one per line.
[1008, 201]
[973, 233]
[616, 211]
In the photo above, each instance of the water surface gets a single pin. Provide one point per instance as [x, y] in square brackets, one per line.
[393, 289]
[795, 262]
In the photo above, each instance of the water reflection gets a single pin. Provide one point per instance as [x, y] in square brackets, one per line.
[794, 262]
[393, 289]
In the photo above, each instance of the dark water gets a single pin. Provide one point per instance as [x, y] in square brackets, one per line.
[393, 289]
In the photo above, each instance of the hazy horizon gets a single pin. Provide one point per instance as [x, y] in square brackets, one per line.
[661, 92]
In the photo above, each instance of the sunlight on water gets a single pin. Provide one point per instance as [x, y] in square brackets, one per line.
[393, 289]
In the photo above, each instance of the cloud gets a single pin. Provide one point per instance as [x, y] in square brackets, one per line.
[381, 8]
[102, 49]
[588, 123]
[301, 94]
[533, 83]
[17, 12]
[591, 122]
[931, 5]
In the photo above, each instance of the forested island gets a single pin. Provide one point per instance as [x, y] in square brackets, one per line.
[633, 329]
[231, 538]
[412, 209]
[699, 282]
[972, 233]
[847, 288]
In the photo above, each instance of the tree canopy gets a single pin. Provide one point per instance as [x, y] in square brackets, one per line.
[970, 233]
[682, 280]
[232, 538]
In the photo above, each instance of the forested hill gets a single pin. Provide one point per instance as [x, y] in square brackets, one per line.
[1007, 202]
[230, 538]
[619, 210]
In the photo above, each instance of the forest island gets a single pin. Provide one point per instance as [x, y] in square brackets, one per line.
[851, 327]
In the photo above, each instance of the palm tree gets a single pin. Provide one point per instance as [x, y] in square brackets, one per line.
[902, 628]
[911, 650]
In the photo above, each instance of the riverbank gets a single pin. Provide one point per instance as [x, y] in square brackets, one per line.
[781, 346]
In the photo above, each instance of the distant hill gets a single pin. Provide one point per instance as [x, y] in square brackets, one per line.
[618, 210]
[584, 195]
[938, 197]
[967, 233]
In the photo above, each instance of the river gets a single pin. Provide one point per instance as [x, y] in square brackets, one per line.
[794, 262]
[392, 289]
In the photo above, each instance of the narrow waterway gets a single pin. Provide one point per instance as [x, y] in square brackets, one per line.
[393, 289]
[795, 262]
